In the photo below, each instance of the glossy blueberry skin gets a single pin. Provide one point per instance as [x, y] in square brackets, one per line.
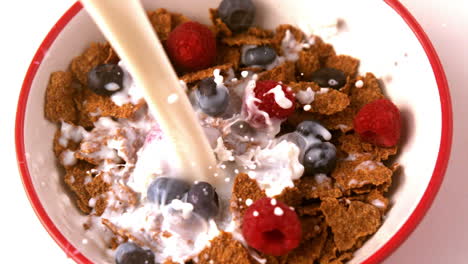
[329, 77]
[320, 158]
[207, 87]
[242, 134]
[314, 129]
[163, 190]
[105, 79]
[238, 15]
[130, 253]
[261, 55]
[212, 100]
[204, 199]
[243, 129]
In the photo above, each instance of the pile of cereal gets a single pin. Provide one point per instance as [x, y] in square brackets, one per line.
[302, 139]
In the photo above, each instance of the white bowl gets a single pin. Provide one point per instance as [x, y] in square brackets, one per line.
[380, 38]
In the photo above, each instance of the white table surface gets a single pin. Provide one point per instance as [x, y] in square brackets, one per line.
[442, 237]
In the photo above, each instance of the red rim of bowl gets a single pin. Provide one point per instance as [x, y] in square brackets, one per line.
[391, 245]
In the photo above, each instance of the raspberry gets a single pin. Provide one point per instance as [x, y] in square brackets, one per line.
[191, 46]
[271, 227]
[280, 107]
[379, 123]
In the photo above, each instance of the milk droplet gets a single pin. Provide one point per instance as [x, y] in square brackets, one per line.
[359, 84]
[112, 86]
[278, 211]
[172, 98]
[273, 202]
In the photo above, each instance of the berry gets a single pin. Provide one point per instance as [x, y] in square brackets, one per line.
[261, 55]
[204, 199]
[105, 79]
[313, 129]
[320, 158]
[130, 253]
[238, 15]
[275, 99]
[301, 142]
[379, 123]
[242, 135]
[242, 129]
[191, 46]
[207, 87]
[212, 99]
[271, 227]
[163, 190]
[329, 77]
[295, 138]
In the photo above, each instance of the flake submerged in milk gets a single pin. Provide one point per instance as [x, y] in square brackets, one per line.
[290, 46]
[71, 132]
[68, 158]
[368, 165]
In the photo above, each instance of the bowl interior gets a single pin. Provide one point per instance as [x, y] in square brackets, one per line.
[382, 41]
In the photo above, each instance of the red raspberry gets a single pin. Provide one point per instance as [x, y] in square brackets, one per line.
[191, 46]
[379, 123]
[271, 227]
[264, 91]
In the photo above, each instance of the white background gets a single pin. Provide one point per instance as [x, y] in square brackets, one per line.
[442, 237]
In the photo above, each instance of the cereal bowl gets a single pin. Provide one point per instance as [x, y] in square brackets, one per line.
[388, 41]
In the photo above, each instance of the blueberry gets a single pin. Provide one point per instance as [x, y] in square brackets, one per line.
[207, 87]
[320, 158]
[212, 99]
[240, 137]
[105, 79]
[329, 77]
[243, 129]
[204, 199]
[313, 129]
[163, 190]
[297, 139]
[130, 253]
[237, 14]
[300, 141]
[261, 55]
